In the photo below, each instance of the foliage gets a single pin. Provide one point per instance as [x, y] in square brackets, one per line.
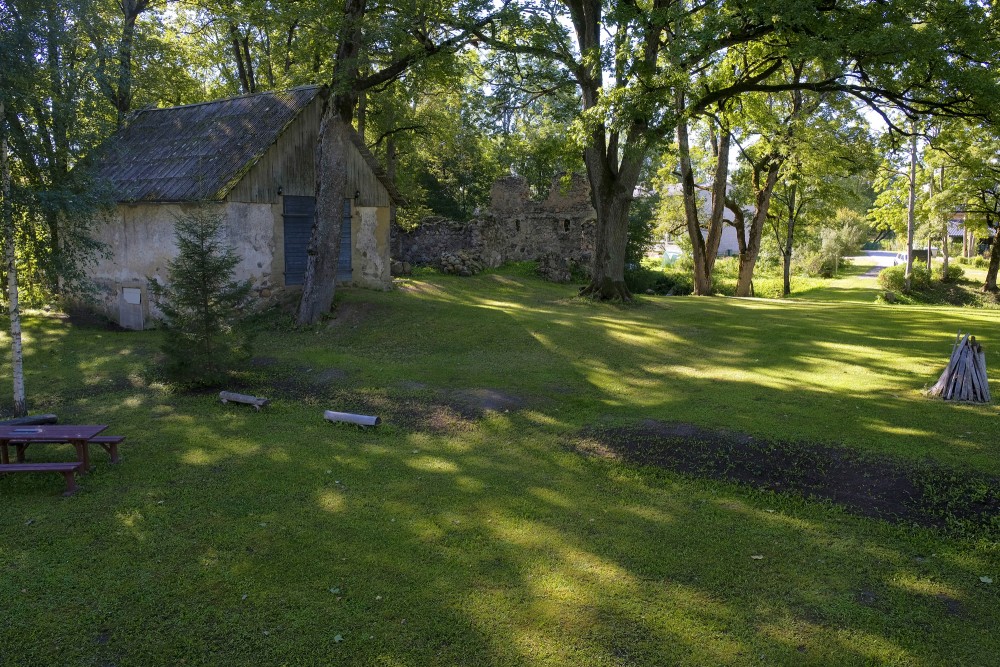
[529, 108]
[202, 304]
[975, 262]
[641, 236]
[955, 273]
[893, 278]
[817, 264]
[651, 278]
[60, 65]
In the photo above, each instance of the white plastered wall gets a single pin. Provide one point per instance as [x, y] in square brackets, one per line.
[141, 243]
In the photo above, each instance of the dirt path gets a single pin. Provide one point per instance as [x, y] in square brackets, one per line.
[872, 272]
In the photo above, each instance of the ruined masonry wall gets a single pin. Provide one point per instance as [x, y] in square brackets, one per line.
[515, 228]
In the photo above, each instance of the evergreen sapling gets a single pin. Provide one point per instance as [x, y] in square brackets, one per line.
[202, 304]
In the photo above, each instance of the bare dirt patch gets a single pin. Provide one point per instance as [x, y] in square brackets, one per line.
[899, 491]
[411, 413]
[477, 402]
[350, 314]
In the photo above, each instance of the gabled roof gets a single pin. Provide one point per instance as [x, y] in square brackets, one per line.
[199, 152]
[196, 152]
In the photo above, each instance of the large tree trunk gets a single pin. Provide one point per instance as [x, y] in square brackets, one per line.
[240, 45]
[699, 251]
[611, 186]
[990, 284]
[607, 277]
[318, 286]
[131, 9]
[716, 222]
[323, 252]
[748, 257]
[705, 247]
[7, 220]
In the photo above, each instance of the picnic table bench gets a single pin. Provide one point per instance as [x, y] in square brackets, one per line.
[80, 436]
[108, 442]
[67, 469]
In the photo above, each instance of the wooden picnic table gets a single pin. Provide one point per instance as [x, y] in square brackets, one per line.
[76, 435]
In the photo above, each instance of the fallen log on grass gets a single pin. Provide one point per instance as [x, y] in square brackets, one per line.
[31, 420]
[360, 420]
[257, 403]
[964, 378]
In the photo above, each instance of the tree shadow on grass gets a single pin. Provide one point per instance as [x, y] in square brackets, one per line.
[230, 536]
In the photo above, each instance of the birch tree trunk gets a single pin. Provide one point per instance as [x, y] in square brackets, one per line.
[911, 208]
[7, 220]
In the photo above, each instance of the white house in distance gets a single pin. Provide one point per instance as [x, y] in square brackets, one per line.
[251, 159]
[728, 245]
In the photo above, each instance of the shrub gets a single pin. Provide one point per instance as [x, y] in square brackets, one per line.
[817, 264]
[893, 278]
[641, 233]
[976, 262]
[201, 304]
[670, 283]
[955, 273]
[675, 283]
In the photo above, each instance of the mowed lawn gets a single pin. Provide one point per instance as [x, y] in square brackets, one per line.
[466, 529]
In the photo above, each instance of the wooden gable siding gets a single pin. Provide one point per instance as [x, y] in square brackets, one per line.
[291, 165]
[361, 179]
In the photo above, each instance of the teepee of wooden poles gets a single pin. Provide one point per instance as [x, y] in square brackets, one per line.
[964, 379]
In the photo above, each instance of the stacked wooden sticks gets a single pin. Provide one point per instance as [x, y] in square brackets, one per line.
[965, 377]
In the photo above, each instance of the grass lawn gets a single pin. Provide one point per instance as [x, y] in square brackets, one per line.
[466, 529]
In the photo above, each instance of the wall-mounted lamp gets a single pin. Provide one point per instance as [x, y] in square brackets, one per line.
[280, 191]
[357, 195]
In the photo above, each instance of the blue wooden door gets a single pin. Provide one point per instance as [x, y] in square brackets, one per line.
[298, 215]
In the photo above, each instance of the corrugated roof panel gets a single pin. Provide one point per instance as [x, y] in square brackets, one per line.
[192, 153]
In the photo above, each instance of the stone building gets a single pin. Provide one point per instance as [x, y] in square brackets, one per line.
[252, 160]
[516, 228]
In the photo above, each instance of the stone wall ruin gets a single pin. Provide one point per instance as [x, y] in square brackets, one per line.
[559, 230]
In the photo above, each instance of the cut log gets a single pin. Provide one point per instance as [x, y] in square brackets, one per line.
[31, 420]
[257, 403]
[360, 420]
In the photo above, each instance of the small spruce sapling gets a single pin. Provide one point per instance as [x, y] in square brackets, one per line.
[202, 304]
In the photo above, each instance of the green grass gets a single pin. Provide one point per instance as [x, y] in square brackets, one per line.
[229, 537]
